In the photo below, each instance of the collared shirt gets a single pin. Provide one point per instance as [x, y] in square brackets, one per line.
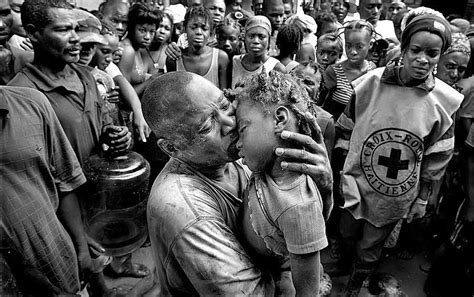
[37, 163]
[82, 116]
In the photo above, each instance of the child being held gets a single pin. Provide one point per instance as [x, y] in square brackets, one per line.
[282, 210]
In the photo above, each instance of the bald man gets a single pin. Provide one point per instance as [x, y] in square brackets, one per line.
[195, 201]
[116, 12]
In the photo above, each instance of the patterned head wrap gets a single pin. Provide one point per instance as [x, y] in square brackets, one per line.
[460, 43]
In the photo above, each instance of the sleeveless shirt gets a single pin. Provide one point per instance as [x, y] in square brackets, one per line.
[239, 72]
[212, 73]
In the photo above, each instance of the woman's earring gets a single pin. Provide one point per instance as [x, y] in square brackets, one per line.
[435, 69]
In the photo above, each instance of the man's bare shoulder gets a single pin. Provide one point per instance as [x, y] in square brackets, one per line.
[177, 187]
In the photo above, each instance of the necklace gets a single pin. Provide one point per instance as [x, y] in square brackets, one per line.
[155, 63]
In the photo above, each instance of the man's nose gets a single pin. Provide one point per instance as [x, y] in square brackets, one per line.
[454, 73]
[74, 37]
[227, 118]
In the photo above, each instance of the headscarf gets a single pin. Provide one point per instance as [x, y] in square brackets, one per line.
[304, 21]
[259, 21]
[429, 23]
[460, 43]
[411, 14]
[462, 24]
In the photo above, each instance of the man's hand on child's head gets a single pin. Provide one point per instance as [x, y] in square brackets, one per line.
[312, 160]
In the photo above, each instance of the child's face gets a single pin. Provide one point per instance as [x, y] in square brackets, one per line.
[178, 29]
[103, 54]
[357, 45]
[327, 53]
[287, 9]
[144, 34]
[328, 27]
[228, 40]
[275, 12]
[256, 41]
[257, 137]
[163, 32]
[198, 31]
[311, 80]
[236, 5]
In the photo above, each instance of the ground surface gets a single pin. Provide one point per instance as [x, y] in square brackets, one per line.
[407, 271]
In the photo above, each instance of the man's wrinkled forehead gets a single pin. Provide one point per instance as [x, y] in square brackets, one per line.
[366, 3]
[116, 10]
[63, 16]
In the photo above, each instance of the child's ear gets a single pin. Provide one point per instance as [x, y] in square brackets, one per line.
[281, 117]
[167, 147]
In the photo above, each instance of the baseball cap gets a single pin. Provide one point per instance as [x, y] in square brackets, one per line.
[89, 27]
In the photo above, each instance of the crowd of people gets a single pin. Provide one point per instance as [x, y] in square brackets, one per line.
[272, 134]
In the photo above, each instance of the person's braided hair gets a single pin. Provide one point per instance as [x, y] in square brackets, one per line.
[289, 39]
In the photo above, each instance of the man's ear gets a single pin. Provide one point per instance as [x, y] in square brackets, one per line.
[281, 117]
[167, 147]
[30, 32]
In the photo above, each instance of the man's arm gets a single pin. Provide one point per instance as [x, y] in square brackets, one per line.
[70, 216]
[313, 160]
[131, 98]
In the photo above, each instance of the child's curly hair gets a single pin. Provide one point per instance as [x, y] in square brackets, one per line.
[277, 89]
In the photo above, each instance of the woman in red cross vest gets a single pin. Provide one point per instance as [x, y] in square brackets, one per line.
[399, 135]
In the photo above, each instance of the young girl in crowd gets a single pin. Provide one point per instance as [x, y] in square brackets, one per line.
[329, 50]
[288, 41]
[337, 90]
[198, 57]
[282, 210]
[142, 23]
[257, 37]
[154, 57]
[228, 37]
[128, 99]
